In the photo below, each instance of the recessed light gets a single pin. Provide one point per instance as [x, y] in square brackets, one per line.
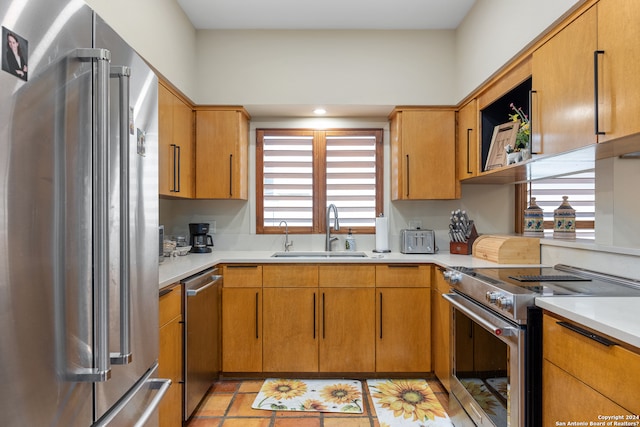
[319, 111]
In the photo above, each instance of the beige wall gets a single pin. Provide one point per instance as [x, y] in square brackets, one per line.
[160, 32]
[495, 31]
[326, 67]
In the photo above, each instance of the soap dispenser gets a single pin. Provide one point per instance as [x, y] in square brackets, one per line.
[350, 242]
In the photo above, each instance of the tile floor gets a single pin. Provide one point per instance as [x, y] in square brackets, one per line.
[228, 404]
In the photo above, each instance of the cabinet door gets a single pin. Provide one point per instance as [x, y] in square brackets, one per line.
[441, 330]
[290, 341]
[222, 144]
[423, 155]
[565, 398]
[467, 142]
[176, 146]
[563, 81]
[403, 330]
[183, 138]
[347, 317]
[242, 329]
[165, 141]
[170, 356]
[619, 82]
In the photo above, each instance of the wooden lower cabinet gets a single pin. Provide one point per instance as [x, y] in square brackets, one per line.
[565, 398]
[347, 330]
[583, 379]
[241, 329]
[326, 318]
[403, 330]
[170, 354]
[290, 338]
[441, 329]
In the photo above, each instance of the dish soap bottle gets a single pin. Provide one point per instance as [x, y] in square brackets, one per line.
[350, 242]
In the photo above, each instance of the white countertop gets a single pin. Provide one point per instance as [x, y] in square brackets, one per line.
[618, 317]
[174, 269]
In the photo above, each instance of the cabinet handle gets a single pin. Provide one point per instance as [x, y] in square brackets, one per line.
[314, 315]
[257, 336]
[407, 175]
[178, 176]
[595, 90]
[536, 151]
[469, 171]
[241, 266]
[230, 175]
[323, 317]
[380, 315]
[173, 153]
[403, 266]
[597, 338]
[165, 292]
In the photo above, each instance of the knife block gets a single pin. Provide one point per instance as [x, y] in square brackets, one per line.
[464, 248]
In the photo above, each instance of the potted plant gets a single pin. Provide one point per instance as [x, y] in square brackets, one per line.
[521, 144]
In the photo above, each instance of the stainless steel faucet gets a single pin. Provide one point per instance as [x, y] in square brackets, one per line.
[336, 226]
[287, 243]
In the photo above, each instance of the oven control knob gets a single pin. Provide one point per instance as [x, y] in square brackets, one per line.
[452, 276]
[492, 296]
[504, 303]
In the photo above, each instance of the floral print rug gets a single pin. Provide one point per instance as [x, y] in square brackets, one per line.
[278, 394]
[410, 403]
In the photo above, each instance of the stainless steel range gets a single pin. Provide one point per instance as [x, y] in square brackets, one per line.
[497, 337]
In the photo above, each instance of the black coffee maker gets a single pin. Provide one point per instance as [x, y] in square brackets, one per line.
[200, 241]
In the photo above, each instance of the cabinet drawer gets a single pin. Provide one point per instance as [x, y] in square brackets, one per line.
[242, 276]
[611, 370]
[170, 305]
[360, 276]
[282, 276]
[403, 275]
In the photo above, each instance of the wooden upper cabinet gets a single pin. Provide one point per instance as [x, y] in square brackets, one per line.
[467, 141]
[222, 145]
[423, 161]
[619, 81]
[176, 145]
[563, 81]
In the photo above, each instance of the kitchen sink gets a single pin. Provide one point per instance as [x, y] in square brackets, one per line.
[320, 254]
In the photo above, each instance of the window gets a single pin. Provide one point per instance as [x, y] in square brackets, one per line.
[580, 188]
[300, 172]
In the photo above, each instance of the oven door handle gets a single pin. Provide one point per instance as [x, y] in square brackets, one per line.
[470, 310]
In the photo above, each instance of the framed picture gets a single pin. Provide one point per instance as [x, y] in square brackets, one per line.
[503, 135]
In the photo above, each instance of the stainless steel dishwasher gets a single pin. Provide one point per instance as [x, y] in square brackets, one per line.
[202, 336]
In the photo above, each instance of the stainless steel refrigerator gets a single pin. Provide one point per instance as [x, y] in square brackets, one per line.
[78, 222]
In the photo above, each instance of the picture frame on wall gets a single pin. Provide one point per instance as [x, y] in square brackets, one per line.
[503, 135]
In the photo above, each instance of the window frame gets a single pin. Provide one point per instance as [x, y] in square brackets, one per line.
[319, 164]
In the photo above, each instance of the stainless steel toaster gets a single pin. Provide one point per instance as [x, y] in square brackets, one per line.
[418, 241]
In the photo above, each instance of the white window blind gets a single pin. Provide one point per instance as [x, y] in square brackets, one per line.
[580, 189]
[303, 171]
[351, 179]
[288, 180]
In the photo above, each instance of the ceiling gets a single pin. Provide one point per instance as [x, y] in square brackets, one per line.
[326, 14]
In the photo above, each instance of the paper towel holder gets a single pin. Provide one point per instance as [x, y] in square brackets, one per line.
[381, 251]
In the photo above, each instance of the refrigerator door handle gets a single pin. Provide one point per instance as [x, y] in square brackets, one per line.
[100, 188]
[124, 357]
[146, 382]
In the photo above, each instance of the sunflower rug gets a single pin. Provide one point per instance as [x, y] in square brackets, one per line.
[407, 403]
[310, 395]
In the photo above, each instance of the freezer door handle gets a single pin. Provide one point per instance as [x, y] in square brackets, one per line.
[101, 370]
[145, 383]
[124, 357]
